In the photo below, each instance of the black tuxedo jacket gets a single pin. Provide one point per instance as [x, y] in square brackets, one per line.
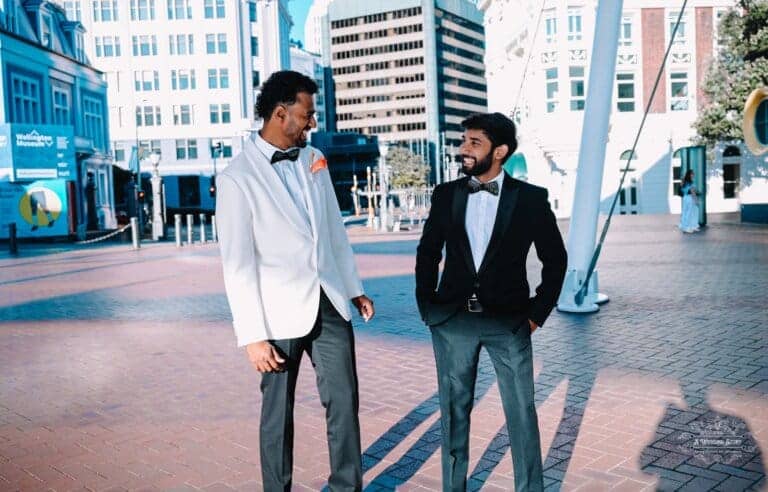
[523, 218]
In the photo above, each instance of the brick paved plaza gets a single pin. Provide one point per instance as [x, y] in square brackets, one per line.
[119, 371]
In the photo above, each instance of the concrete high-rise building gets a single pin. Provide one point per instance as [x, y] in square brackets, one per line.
[183, 76]
[548, 98]
[313, 26]
[407, 70]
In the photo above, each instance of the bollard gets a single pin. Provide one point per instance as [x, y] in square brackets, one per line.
[12, 245]
[135, 232]
[202, 229]
[190, 225]
[214, 234]
[177, 227]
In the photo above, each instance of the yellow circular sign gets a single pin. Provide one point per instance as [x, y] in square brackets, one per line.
[749, 127]
[40, 207]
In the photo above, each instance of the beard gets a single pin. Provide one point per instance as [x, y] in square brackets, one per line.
[480, 167]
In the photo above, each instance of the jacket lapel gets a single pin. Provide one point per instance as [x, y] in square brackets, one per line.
[507, 203]
[458, 216]
[310, 192]
[275, 188]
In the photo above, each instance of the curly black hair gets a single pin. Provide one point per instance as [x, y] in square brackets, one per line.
[282, 88]
[499, 129]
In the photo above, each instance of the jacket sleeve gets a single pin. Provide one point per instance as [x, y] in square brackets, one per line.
[430, 251]
[239, 258]
[554, 258]
[343, 254]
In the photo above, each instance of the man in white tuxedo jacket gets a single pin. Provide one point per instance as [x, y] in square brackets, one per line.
[289, 275]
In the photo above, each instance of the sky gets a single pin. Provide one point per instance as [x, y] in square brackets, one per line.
[298, 10]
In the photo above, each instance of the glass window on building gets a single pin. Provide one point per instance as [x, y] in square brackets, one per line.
[25, 97]
[147, 147]
[679, 100]
[226, 148]
[146, 80]
[144, 45]
[224, 78]
[148, 116]
[186, 149]
[625, 92]
[550, 26]
[213, 79]
[182, 114]
[252, 12]
[256, 79]
[625, 31]
[574, 24]
[183, 80]
[105, 11]
[72, 9]
[142, 10]
[552, 89]
[179, 9]
[577, 88]
[93, 121]
[214, 9]
[118, 151]
[254, 46]
[62, 102]
[181, 44]
[221, 40]
[681, 37]
[46, 30]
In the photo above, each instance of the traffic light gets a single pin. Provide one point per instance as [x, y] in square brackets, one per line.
[212, 187]
[142, 195]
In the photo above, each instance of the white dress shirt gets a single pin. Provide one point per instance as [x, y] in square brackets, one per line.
[480, 218]
[288, 172]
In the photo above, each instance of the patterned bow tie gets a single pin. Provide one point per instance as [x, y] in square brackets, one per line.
[291, 155]
[491, 187]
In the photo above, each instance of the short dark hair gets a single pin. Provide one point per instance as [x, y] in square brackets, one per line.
[499, 129]
[282, 88]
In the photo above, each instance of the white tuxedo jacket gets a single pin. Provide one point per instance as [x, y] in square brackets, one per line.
[274, 261]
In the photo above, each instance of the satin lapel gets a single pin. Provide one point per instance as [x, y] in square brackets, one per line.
[275, 188]
[310, 189]
[458, 216]
[507, 204]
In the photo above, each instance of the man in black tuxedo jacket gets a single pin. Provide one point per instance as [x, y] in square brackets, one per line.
[487, 222]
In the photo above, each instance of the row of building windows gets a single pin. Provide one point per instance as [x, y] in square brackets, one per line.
[448, 33]
[478, 72]
[145, 10]
[447, 48]
[186, 149]
[146, 45]
[347, 38]
[346, 70]
[417, 77]
[465, 99]
[373, 18]
[379, 33]
[183, 114]
[460, 21]
[377, 50]
[468, 84]
[625, 90]
[409, 62]
[409, 29]
[26, 96]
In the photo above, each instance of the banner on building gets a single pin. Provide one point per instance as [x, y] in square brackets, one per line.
[34, 152]
[39, 209]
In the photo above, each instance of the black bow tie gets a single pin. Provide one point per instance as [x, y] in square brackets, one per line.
[291, 155]
[491, 187]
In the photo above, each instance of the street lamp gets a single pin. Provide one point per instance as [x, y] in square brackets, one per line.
[158, 227]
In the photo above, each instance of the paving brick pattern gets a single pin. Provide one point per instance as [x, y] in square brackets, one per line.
[118, 371]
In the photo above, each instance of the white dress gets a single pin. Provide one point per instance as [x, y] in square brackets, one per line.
[689, 218]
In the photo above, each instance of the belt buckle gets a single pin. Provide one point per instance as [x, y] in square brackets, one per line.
[473, 305]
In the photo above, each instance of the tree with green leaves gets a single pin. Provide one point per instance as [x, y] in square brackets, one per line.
[408, 169]
[739, 68]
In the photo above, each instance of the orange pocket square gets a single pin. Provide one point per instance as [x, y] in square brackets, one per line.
[318, 165]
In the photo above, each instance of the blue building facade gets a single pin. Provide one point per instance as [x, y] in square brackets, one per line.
[55, 169]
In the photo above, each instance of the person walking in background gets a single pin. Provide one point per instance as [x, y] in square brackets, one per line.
[689, 217]
[290, 274]
[487, 223]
